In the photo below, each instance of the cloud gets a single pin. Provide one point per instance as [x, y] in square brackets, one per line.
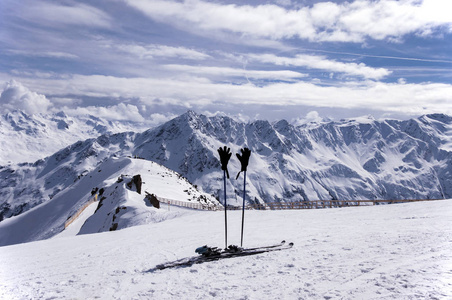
[50, 14]
[197, 93]
[156, 119]
[65, 101]
[437, 12]
[232, 72]
[120, 112]
[326, 21]
[269, 21]
[17, 96]
[210, 55]
[311, 117]
[48, 54]
[321, 63]
[379, 20]
[153, 51]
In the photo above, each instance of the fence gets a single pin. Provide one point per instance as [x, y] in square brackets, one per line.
[314, 204]
[194, 205]
[79, 212]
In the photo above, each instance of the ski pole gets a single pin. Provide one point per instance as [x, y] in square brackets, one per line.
[225, 213]
[243, 158]
[225, 155]
[243, 208]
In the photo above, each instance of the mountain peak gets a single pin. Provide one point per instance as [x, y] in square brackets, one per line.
[189, 118]
[190, 115]
[438, 117]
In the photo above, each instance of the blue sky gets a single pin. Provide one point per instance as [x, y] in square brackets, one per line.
[147, 60]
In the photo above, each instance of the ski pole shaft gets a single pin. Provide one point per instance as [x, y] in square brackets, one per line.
[225, 212]
[243, 208]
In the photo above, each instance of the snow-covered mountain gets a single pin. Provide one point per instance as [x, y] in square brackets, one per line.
[122, 200]
[29, 137]
[350, 159]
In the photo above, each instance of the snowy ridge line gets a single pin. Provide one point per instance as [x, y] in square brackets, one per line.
[193, 205]
[316, 204]
[79, 212]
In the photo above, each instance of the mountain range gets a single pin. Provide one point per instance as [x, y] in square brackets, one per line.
[351, 159]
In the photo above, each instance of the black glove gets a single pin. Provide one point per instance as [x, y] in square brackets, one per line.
[225, 155]
[244, 158]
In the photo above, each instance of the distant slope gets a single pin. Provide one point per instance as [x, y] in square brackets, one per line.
[120, 206]
[27, 138]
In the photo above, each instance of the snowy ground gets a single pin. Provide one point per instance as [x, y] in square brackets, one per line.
[399, 251]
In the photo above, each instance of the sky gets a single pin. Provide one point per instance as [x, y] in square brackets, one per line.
[148, 61]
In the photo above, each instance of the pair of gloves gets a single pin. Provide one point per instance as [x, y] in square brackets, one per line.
[225, 155]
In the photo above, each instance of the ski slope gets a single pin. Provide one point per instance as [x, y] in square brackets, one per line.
[74, 228]
[399, 251]
[118, 204]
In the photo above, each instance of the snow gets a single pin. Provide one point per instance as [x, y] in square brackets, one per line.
[399, 251]
[122, 205]
[76, 225]
[29, 137]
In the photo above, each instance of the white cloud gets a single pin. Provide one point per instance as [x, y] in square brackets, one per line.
[322, 63]
[436, 12]
[65, 101]
[152, 51]
[118, 112]
[17, 96]
[311, 117]
[326, 21]
[268, 21]
[156, 119]
[50, 54]
[324, 14]
[232, 72]
[401, 80]
[46, 13]
[199, 93]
